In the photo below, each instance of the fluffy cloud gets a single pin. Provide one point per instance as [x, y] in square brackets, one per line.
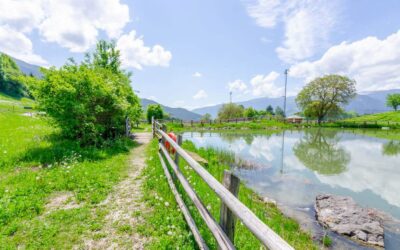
[373, 63]
[237, 85]
[22, 15]
[76, 24]
[16, 44]
[265, 85]
[307, 24]
[197, 74]
[135, 54]
[201, 94]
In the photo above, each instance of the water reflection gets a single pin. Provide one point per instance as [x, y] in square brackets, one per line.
[391, 148]
[321, 153]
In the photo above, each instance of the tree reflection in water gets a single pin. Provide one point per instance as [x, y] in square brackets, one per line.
[319, 151]
[391, 148]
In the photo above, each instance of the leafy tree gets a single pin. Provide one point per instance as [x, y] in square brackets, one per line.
[9, 74]
[393, 100]
[270, 110]
[230, 111]
[206, 117]
[90, 101]
[156, 111]
[319, 151]
[279, 111]
[250, 112]
[324, 96]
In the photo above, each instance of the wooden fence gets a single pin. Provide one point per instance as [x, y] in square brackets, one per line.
[231, 207]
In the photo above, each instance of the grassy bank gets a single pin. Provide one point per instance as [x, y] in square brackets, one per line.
[166, 226]
[240, 125]
[49, 186]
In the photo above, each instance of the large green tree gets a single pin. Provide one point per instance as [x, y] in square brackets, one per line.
[156, 111]
[90, 101]
[9, 77]
[230, 111]
[393, 100]
[250, 112]
[325, 95]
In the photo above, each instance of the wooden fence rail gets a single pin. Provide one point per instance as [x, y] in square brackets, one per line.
[231, 206]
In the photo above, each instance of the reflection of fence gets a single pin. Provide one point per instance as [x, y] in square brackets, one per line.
[231, 207]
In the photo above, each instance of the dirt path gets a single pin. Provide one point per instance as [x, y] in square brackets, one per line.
[124, 206]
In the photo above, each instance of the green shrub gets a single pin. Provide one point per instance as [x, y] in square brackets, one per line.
[90, 101]
[154, 110]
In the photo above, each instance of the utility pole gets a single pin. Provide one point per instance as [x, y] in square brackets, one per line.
[284, 100]
[230, 97]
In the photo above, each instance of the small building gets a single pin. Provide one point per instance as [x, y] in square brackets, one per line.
[294, 119]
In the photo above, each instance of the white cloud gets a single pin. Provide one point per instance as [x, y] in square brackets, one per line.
[76, 24]
[373, 63]
[135, 54]
[22, 15]
[307, 24]
[197, 74]
[265, 85]
[237, 85]
[201, 94]
[17, 45]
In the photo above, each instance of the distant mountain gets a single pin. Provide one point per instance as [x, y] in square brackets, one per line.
[364, 103]
[179, 113]
[28, 69]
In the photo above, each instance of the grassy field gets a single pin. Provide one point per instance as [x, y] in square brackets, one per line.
[166, 226]
[50, 187]
[393, 116]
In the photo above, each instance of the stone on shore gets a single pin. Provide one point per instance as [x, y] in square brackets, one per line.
[342, 215]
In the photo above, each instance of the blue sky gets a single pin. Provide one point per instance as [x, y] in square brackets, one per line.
[192, 53]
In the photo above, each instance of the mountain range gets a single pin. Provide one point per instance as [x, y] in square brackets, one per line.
[179, 113]
[364, 103]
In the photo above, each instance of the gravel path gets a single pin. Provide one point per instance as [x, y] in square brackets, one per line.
[124, 206]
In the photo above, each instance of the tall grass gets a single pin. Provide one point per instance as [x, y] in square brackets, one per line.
[35, 164]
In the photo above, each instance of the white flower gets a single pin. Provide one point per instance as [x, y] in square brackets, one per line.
[166, 204]
[208, 207]
[169, 233]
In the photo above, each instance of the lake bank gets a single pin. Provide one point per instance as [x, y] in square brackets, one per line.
[288, 177]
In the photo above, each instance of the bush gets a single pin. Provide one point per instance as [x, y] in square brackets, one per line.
[156, 111]
[230, 111]
[90, 101]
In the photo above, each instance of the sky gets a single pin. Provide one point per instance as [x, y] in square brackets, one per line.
[193, 53]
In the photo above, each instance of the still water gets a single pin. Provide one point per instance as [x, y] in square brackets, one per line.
[292, 167]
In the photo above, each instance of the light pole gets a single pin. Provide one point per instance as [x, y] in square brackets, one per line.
[230, 97]
[284, 100]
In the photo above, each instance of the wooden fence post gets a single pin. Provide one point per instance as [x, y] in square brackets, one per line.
[164, 128]
[227, 218]
[153, 127]
[179, 141]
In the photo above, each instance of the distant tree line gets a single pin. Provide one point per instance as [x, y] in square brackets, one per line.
[232, 111]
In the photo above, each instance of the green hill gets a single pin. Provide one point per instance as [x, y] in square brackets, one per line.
[392, 116]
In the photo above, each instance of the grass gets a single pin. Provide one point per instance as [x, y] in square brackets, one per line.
[392, 116]
[248, 125]
[167, 228]
[35, 165]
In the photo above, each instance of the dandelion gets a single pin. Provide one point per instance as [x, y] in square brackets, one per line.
[166, 204]
[209, 207]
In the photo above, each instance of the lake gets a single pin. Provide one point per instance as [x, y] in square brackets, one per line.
[292, 167]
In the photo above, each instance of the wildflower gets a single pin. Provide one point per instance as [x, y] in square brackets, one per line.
[166, 204]
[208, 207]
[169, 233]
